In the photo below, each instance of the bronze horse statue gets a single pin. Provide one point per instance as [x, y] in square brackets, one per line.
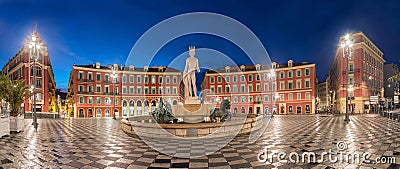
[223, 112]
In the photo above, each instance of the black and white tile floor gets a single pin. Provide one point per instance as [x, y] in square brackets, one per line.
[100, 143]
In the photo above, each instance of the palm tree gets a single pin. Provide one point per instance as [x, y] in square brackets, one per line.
[14, 93]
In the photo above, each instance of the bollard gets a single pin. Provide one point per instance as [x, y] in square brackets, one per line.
[398, 117]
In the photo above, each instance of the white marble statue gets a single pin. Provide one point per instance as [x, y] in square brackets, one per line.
[189, 76]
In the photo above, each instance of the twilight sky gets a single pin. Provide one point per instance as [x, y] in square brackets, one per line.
[84, 32]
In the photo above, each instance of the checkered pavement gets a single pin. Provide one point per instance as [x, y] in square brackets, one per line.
[100, 143]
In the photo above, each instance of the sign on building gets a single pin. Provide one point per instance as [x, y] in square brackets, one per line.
[374, 99]
[396, 99]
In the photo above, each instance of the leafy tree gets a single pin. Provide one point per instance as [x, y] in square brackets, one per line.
[14, 93]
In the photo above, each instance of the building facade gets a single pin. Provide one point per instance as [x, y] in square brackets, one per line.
[391, 88]
[323, 97]
[20, 67]
[365, 75]
[93, 92]
[257, 89]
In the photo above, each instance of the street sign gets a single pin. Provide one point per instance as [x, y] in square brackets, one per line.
[396, 99]
[374, 99]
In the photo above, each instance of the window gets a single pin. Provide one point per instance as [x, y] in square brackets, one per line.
[131, 90]
[227, 79]
[90, 100]
[282, 75]
[153, 79]
[250, 77]
[242, 88]
[98, 100]
[257, 87]
[307, 84]
[219, 79]
[146, 79]
[298, 84]
[298, 73]
[80, 88]
[242, 98]
[160, 79]
[307, 72]
[351, 66]
[174, 90]
[124, 79]
[174, 80]
[250, 99]
[139, 90]
[290, 96]
[90, 88]
[167, 79]
[227, 89]
[219, 89]
[242, 79]
[168, 90]
[212, 89]
[106, 89]
[81, 101]
[290, 85]
[266, 98]
[139, 79]
[235, 89]
[153, 90]
[258, 77]
[307, 95]
[298, 96]
[131, 78]
[124, 90]
[211, 79]
[160, 90]
[282, 85]
[80, 75]
[90, 76]
[98, 77]
[106, 78]
[146, 90]
[274, 86]
[250, 88]
[235, 78]
[282, 97]
[98, 89]
[290, 74]
[107, 101]
[235, 99]
[266, 87]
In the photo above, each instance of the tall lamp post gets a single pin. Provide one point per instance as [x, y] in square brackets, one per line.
[347, 45]
[114, 77]
[272, 78]
[34, 47]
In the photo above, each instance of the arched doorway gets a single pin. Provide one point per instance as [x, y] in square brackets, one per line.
[131, 108]
[174, 102]
[153, 105]
[107, 113]
[235, 110]
[124, 108]
[98, 113]
[282, 109]
[298, 109]
[81, 113]
[116, 112]
[146, 107]
[308, 109]
[266, 109]
[290, 109]
[243, 110]
[139, 107]
[250, 110]
[90, 113]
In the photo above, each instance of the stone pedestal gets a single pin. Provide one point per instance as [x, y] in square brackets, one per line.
[192, 100]
[192, 113]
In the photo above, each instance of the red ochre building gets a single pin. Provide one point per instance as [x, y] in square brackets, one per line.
[137, 91]
[20, 67]
[256, 89]
[365, 75]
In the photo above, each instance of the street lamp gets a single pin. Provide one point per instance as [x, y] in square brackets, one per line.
[34, 49]
[114, 77]
[347, 45]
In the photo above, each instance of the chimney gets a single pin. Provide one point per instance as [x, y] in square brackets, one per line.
[97, 65]
[290, 63]
[243, 68]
